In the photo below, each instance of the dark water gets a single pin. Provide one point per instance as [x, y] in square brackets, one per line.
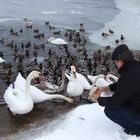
[41, 114]
[60, 13]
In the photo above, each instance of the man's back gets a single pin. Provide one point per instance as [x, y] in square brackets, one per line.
[130, 80]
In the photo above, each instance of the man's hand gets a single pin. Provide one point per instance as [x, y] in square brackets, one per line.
[96, 95]
[104, 89]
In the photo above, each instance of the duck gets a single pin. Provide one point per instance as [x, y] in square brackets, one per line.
[81, 78]
[111, 31]
[17, 100]
[38, 95]
[49, 87]
[122, 38]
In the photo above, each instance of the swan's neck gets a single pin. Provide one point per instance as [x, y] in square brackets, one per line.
[28, 82]
[93, 84]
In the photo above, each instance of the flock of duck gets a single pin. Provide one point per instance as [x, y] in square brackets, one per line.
[69, 60]
[111, 32]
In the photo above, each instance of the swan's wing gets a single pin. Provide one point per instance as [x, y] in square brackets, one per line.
[12, 96]
[38, 95]
[59, 96]
[20, 82]
[18, 102]
[92, 78]
[83, 81]
[51, 86]
[101, 82]
[75, 88]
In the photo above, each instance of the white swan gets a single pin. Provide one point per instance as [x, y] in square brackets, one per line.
[81, 78]
[74, 87]
[102, 80]
[57, 41]
[20, 102]
[37, 95]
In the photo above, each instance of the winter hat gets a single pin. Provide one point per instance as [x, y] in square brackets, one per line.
[122, 52]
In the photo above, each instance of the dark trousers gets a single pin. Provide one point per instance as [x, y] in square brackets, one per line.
[124, 118]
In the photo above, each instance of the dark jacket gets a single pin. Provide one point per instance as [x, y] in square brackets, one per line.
[126, 90]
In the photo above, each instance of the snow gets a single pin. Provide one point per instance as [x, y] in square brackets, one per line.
[87, 122]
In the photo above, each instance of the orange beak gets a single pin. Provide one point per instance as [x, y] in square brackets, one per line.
[42, 77]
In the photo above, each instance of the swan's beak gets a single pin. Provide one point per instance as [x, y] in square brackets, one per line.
[42, 77]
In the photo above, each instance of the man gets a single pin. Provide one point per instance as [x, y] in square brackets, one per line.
[124, 106]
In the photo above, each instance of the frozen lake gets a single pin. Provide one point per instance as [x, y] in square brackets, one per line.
[65, 13]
